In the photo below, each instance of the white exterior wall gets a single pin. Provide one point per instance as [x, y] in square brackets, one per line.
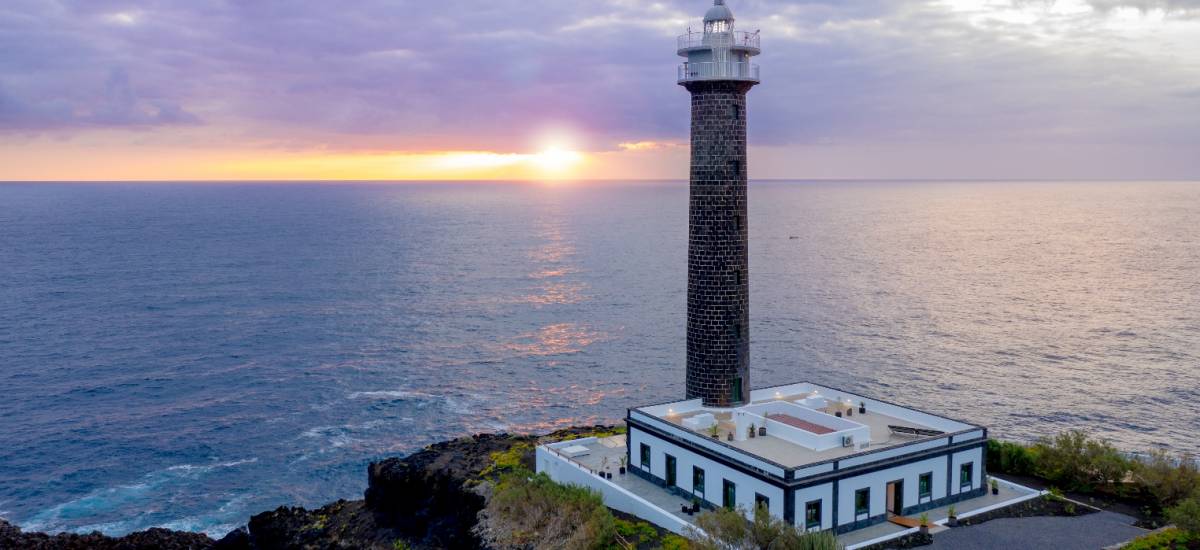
[714, 473]
[823, 493]
[975, 456]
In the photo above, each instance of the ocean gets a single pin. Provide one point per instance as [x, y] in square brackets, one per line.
[187, 355]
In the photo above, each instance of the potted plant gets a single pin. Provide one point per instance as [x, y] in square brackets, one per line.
[623, 462]
[995, 486]
[925, 523]
[762, 431]
[952, 520]
[729, 436]
[862, 407]
[604, 468]
[712, 430]
[695, 505]
[752, 432]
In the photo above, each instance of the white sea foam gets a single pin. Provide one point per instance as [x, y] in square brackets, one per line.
[56, 518]
[393, 394]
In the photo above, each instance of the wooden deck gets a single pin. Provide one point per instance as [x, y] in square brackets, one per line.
[905, 521]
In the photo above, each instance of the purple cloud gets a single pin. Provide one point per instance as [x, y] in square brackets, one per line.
[466, 74]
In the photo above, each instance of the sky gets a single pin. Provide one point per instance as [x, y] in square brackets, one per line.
[569, 89]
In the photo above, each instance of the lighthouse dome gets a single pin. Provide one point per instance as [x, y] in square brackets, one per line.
[719, 12]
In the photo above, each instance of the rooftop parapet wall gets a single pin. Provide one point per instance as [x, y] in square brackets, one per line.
[931, 421]
[759, 415]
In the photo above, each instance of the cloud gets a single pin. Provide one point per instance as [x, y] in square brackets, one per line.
[114, 105]
[463, 74]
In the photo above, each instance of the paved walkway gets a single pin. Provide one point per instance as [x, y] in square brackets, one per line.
[1090, 532]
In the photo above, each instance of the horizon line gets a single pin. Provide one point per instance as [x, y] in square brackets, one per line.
[607, 180]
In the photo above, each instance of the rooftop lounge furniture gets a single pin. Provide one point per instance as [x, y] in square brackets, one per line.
[575, 451]
[915, 432]
[700, 422]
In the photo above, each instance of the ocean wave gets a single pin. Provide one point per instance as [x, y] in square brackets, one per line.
[217, 524]
[62, 517]
[393, 394]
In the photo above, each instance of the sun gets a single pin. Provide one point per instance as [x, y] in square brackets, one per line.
[557, 160]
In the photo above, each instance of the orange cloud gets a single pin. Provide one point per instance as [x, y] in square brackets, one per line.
[648, 145]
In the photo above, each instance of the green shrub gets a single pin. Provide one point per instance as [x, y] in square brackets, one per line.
[1079, 462]
[675, 542]
[1167, 539]
[532, 510]
[1186, 515]
[635, 532]
[725, 529]
[1011, 458]
[1168, 479]
[507, 461]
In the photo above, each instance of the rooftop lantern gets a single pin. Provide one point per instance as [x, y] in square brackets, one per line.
[719, 52]
[718, 19]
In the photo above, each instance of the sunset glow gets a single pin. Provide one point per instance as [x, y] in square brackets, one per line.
[568, 90]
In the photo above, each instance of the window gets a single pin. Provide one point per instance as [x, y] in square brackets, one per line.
[645, 457]
[862, 502]
[966, 475]
[925, 486]
[736, 396]
[670, 473]
[729, 494]
[761, 501]
[812, 515]
[697, 481]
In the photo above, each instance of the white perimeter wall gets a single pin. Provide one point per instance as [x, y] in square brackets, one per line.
[714, 473]
[566, 472]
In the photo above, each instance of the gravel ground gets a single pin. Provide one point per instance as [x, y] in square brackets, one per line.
[1090, 532]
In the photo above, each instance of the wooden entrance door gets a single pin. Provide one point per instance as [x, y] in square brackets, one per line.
[895, 498]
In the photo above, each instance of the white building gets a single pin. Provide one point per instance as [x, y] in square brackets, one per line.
[820, 458]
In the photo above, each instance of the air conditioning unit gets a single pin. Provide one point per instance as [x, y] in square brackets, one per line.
[847, 441]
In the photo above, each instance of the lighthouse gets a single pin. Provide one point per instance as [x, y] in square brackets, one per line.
[718, 74]
[817, 457]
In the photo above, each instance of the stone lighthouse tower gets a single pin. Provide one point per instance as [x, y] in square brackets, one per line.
[718, 73]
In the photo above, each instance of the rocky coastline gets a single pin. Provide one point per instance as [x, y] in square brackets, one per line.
[428, 499]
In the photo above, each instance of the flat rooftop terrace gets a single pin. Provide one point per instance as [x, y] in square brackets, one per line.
[879, 420]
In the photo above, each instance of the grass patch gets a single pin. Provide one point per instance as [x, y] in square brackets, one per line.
[1167, 539]
[509, 460]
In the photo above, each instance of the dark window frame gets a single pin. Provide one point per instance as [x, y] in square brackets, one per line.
[925, 486]
[809, 521]
[966, 476]
[728, 494]
[762, 500]
[863, 495]
[646, 457]
[698, 480]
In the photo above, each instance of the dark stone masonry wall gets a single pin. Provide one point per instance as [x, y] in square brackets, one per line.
[718, 315]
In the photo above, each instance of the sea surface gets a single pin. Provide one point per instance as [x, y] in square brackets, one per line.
[186, 355]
